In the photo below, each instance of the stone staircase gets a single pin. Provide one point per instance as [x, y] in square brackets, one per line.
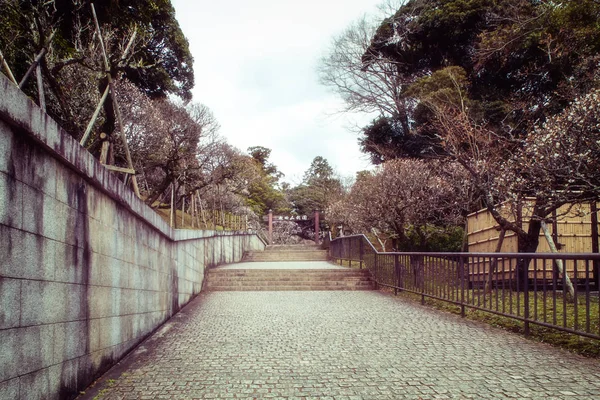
[288, 279]
[298, 267]
[278, 253]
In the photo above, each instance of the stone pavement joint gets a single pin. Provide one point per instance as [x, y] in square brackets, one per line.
[339, 345]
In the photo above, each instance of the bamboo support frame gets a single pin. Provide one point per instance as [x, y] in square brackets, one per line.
[115, 101]
[90, 125]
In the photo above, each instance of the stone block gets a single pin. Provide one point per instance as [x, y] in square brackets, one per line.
[9, 390]
[51, 302]
[71, 264]
[11, 201]
[70, 340]
[100, 301]
[24, 255]
[108, 332]
[9, 354]
[11, 251]
[127, 303]
[6, 145]
[39, 170]
[69, 188]
[10, 299]
[70, 377]
[36, 385]
[34, 210]
[23, 350]
[108, 271]
[56, 220]
[137, 277]
[100, 270]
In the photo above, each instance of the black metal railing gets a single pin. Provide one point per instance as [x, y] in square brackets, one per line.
[557, 291]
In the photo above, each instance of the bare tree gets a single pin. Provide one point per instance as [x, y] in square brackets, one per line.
[366, 85]
[173, 144]
[424, 197]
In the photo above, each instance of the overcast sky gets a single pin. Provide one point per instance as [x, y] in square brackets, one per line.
[255, 68]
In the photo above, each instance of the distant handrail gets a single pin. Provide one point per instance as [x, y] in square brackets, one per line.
[263, 238]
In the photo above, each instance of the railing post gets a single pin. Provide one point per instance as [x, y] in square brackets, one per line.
[350, 252]
[461, 272]
[270, 226]
[375, 268]
[526, 311]
[361, 251]
[422, 286]
[397, 270]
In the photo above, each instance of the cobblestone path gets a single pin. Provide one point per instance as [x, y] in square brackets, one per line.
[339, 345]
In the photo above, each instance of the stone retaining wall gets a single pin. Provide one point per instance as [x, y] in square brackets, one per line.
[87, 270]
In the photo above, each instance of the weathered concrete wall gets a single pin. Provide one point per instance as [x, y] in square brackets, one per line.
[87, 270]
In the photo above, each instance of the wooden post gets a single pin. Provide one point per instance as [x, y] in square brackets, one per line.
[172, 205]
[202, 212]
[270, 226]
[7, 69]
[40, 85]
[105, 148]
[558, 262]
[90, 125]
[182, 211]
[193, 210]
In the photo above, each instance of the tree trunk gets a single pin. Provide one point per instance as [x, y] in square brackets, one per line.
[164, 185]
[494, 262]
[527, 244]
[109, 124]
[464, 248]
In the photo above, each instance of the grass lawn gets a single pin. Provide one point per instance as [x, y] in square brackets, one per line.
[572, 342]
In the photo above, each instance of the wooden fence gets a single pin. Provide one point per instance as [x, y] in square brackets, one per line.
[217, 220]
[572, 230]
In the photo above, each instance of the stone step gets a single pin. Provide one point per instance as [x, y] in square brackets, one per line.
[292, 247]
[290, 279]
[296, 255]
[286, 282]
[270, 280]
[276, 288]
[288, 272]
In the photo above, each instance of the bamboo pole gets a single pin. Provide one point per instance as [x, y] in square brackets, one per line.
[558, 263]
[7, 69]
[172, 219]
[192, 204]
[182, 212]
[36, 62]
[40, 85]
[120, 169]
[105, 147]
[90, 125]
